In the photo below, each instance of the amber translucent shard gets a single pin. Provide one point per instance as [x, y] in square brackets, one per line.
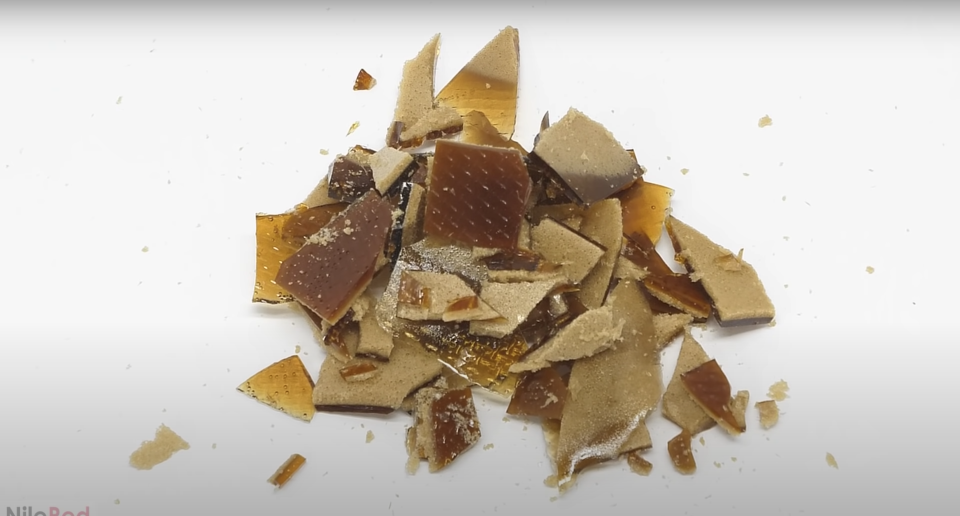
[285, 385]
[478, 130]
[603, 225]
[645, 207]
[341, 339]
[332, 269]
[559, 244]
[476, 195]
[273, 247]
[415, 96]
[541, 393]
[769, 413]
[678, 406]
[447, 425]
[433, 294]
[709, 388]
[349, 180]
[638, 464]
[165, 443]
[488, 83]
[738, 296]
[359, 371]
[668, 326]
[778, 390]
[676, 290]
[587, 157]
[412, 292]
[513, 301]
[435, 123]
[410, 366]
[286, 470]
[364, 81]
[462, 304]
[590, 333]
[304, 222]
[682, 454]
[729, 262]
[601, 414]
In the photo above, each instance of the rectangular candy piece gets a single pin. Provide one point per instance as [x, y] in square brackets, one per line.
[286, 470]
[476, 195]
[285, 385]
[645, 208]
[736, 291]
[681, 454]
[332, 269]
[587, 157]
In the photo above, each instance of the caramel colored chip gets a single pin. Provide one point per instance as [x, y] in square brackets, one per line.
[558, 244]
[513, 301]
[359, 370]
[778, 390]
[285, 385]
[447, 425]
[364, 81]
[478, 130]
[349, 179]
[437, 296]
[645, 207]
[541, 393]
[769, 413]
[415, 98]
[273, 247]
[675, 290]
[681, 453]
[709, 388]
[601, 224]
[678, 406]
[286, 470]
[320, 195]
[638, 464]
[588, 159]
[410, 366]
[738, 296]
[160, 449]
[335, 266]
[476, 195]
[590, 333]
[488, 83]
[668, 326]
[304, 222]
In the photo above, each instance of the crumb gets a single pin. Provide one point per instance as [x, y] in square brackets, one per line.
[765, 122]
[129, 366]
[506, 419]
[214, 446]
[488, 446]
[684, 171]
[746, 174]
[786, 238]
[119, 99]
[702, 442]
[786, 285]
[717, 465]
[162, 447]
[369, 435]
[734, 459]
[772, 323]
[524, 428]
[117, 501]
[831, 461]
[553, 499]
[353, 127]
[784, 197]
[324, 152]
[668, 158]
[870, 269]
[778, 391]
[145, 249]
[296, 349]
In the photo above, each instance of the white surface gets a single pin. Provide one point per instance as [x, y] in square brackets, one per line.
[223, 115]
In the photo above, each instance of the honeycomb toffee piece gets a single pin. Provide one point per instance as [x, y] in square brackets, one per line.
[677, 405]
[341, 339]
[513, 301]
[349, 179]
[738, 295]
[436, 123]
[638, 464]
[540, 393]
[165, 443]
[561, 245]
[710, 389]
[286, 470]
[478, 130]
[769, 413]
[387, 165]
[440, 297]
[601, 224]
[285, 385]
[415, 97]
[645, 208]
[600, 413]
[446, 425]
[336, 265]
[476, 195]
[681, 453]
[488, 83]
[590, 333]
[586, 157]
[364, 81]
[639, 440]
[668, 326]
[410, 366]
[674, 290]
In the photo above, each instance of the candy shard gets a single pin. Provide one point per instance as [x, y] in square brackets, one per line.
[590, 333]
[387, 166]
[476, 195]
[364, 81]
[639, 440]
[415, 98]
[435, 123]
[478, 130]
[602, 224]
[285, 385]
[668, 326]
[286, 470]
[513, 301]
[558, 244]
[488, 83]
[444, 290]
[540, 393]
[638, 464]
[446, 426]
[678, 406]
[329, 272]
[681, 453]
[738, 295]
[373, 341]
[586, 157]
[769, 413]
[645, 207]
[350, 178]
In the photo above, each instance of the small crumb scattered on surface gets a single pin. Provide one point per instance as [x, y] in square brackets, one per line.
[717, 465]
[684, 171]
[369, 435]
[324, 152]
[765, 121]
[145, 249]
[702, 442]
[297, 349]
[353, 127]
[870, 269]
[117, 501]
[778, 391]
[488, 446]
[162, 447]
[119, 99]
[832, 461]
[214, 446]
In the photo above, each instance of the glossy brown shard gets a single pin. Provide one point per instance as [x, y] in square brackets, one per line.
[332, 269]
[286, 470]
[278, 238]
[447, 425]
[285, 385]
[670, 288]
[709, 388]
[359, 371]
[349, 180]
[364, 81]
[488, 83]
[645, 207]
[304, 221]
[412, 292]
[587, 157]
[638, 464]
[541, 393]
[681, 453]
[514, 261]
[342, 338]
[677, 404]
[478, 130]
[476, 195]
